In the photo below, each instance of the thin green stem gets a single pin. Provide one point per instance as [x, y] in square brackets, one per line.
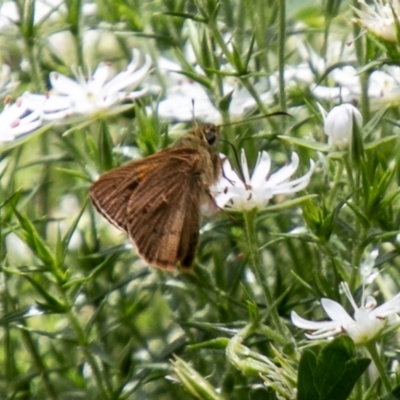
[249, 218]
[258, 17]
[360, 53]
[102, 383]
[281, 55]
[31, 53]
[39, 364]
[335, 187]
[358, 390]
[358, 247]
[373, 352]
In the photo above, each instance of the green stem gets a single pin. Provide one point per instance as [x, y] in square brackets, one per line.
[360, 53]
[371, 347]
[358, 248]
[358, 390]
[102, 383]
[249, 218]
[281, 55]
[355, 263]
[39, 364]
[37, 83]
[335, 187]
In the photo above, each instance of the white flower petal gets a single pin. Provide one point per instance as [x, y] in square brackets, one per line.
[100, 77]
[17, 120]
[285, 172]
[297, 184]
[245, 168]
[311, 325]
[64, 85]
[390, 307]
[129, 78]
[261, 170]
[336, 312]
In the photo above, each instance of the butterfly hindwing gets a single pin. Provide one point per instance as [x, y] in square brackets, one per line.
[168, 205]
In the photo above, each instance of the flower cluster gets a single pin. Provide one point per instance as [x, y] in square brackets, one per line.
[242, 194]
[101, 93]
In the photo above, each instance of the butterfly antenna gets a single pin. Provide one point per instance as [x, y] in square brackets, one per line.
[236, 158]
[193, 116]
[258, 117]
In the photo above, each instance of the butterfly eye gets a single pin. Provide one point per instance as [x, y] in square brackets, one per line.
[210, 135]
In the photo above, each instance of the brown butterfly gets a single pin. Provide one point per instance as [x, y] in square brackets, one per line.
[157, 200]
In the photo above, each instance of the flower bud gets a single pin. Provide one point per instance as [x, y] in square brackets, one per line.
[339, 125]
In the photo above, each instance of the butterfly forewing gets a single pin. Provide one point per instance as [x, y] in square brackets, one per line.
[156, 200]
[111, 192]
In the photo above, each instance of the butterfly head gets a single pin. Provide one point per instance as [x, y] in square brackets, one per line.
[207, 133]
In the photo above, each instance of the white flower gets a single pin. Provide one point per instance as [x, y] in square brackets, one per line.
[339, 125]
[379, 19]
[234, 193]
[17, 119]
[383, 87]
[99, 93]
[367, 323]
[186, 99]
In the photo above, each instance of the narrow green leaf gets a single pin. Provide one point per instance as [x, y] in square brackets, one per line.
[67, 237]
[237, 60]
[219, 343]
[308, 144]
[373, 123]
[31, 237]
[194, 17]
[52, 303]
[105, 147]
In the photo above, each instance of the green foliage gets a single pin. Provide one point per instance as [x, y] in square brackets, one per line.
[332, 372]
[81, 314]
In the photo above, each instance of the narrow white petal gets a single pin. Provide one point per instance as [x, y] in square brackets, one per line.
[390, 307]
[129, 78]
[57, 115]
[245, 167]
[311, 325]
[56, 103]
[295, 185]
[65, 85]
[230, 175]
[285, 172]
[346, 290]
[100, 77]
[31, 117]
[23, 129]
[336, 312]
[222, 199]
[136, 94]
[324, 334]
[261, 169]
